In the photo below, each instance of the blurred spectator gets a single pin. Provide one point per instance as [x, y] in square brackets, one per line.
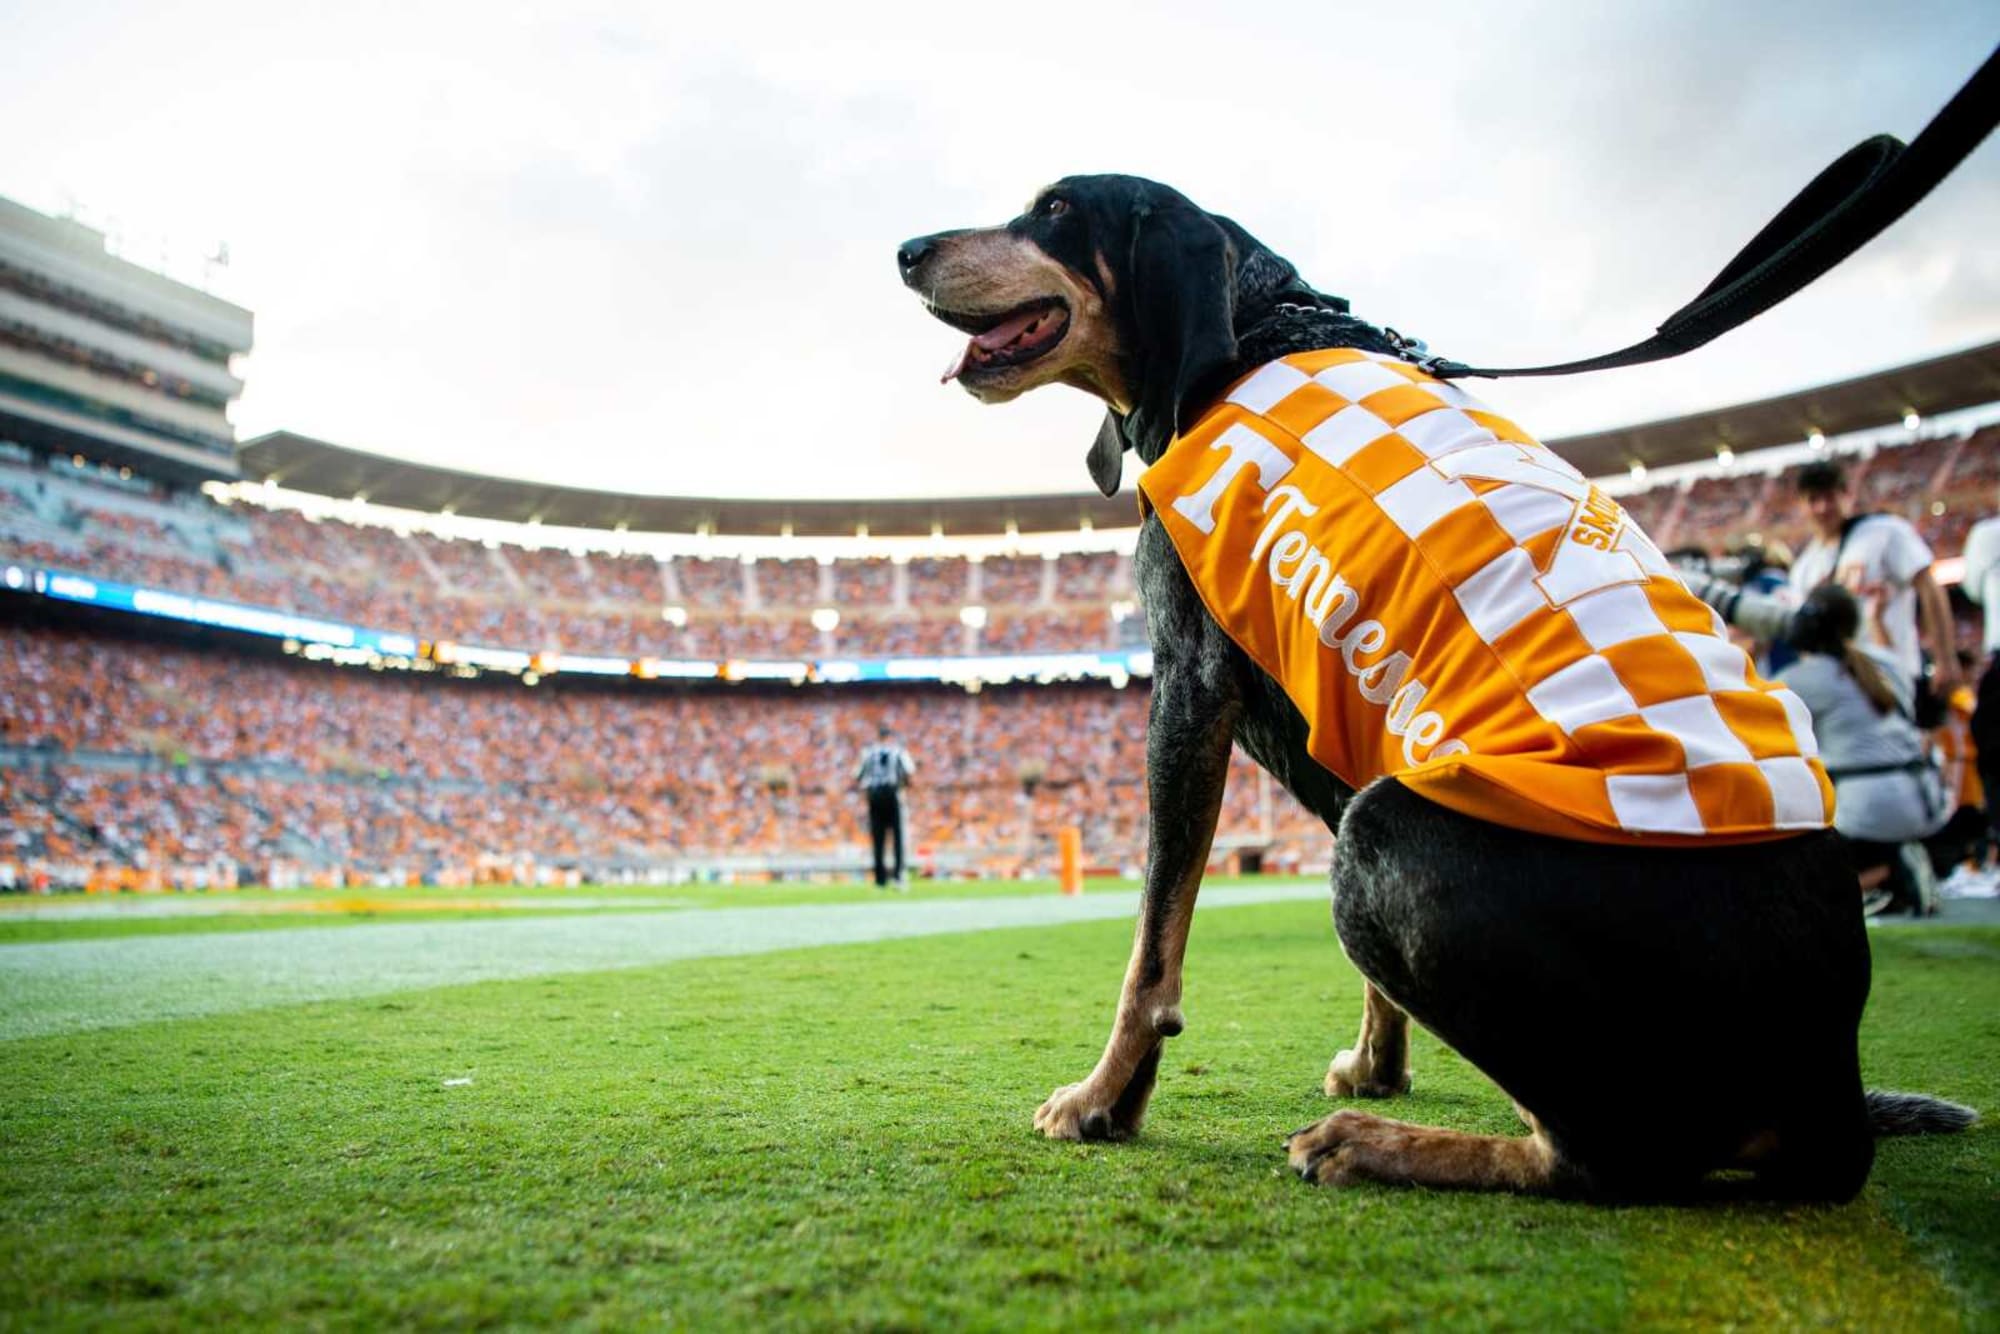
[1886, 565]
[1982, 585]
[260, 760]
[1887, 792]
[1888, 795]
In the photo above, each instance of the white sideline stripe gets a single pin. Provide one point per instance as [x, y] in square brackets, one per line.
[72, 985]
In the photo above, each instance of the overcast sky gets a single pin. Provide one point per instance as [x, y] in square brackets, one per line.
[650, 247]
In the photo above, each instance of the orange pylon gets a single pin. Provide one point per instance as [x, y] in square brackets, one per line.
[1069, 844]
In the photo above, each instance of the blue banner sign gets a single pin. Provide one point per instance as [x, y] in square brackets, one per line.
[67, 587]
[1117, 665]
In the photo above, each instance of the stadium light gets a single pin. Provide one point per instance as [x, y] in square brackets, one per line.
[974, 616]
[1816, 438]
[1638, 471]
[1725, 456]
[1911, 421]
[824, 619]
[674, 616]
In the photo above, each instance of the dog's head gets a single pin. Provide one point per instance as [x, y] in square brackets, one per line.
[1116, 285]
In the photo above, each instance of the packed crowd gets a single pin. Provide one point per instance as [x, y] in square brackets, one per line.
[546, 599]
[255, 762]
[549, 600]
[1941, 485]
[186, 766]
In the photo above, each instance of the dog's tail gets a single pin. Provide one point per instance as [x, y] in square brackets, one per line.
[1916, 1114]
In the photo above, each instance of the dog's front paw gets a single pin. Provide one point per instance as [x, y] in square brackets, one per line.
[1077, 1111]
[1352, 1076]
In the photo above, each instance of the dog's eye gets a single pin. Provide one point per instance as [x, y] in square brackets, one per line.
[1054, 206]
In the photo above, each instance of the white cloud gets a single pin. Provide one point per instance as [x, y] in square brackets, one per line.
[650, 248]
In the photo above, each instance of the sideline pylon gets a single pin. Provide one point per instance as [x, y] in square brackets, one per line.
[1069, 845]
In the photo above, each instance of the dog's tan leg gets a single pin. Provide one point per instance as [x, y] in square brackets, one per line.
[1187, 763]
[1378, 1064]
[1355, 1146]
[1111, 1103]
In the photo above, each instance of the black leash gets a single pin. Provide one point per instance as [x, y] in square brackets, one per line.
[1847, 205]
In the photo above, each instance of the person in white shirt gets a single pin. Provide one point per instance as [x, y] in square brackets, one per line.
[1982, 576]
[1882, 560]
[1982, 585]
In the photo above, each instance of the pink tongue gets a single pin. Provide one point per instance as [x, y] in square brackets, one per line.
[1002, 334]
[957, 364]
[991, 341]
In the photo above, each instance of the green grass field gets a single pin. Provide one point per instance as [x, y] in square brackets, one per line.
[840, 1137]
[264, 909]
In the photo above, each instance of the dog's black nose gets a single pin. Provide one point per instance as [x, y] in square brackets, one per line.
[910, 254]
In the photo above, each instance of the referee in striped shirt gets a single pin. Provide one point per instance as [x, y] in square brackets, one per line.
[885, 769]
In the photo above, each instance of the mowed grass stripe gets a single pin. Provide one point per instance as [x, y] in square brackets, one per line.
[69, 985]
[28, 919]
[840, 1137]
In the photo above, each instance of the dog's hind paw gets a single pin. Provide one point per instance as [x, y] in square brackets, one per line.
[1353, 1146]
[1328, 1152]
[1348, 1077]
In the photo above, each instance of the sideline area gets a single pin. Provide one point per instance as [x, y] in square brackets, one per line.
[65, 986]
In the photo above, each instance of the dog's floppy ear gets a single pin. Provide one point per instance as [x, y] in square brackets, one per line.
[1183, 306]
[1107, 455]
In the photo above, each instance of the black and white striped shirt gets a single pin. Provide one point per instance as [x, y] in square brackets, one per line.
[885, 765]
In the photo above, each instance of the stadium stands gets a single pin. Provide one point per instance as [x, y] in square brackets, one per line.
[539, 599]
[132, 761]
[552, 599]
[194, 765]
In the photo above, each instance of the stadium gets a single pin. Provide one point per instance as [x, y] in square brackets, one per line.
[431, 897]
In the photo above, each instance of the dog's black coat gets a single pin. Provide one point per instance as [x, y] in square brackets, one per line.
[1655, 1008]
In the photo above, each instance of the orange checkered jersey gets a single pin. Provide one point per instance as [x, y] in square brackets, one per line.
[1449, 602]
[1957, 757]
